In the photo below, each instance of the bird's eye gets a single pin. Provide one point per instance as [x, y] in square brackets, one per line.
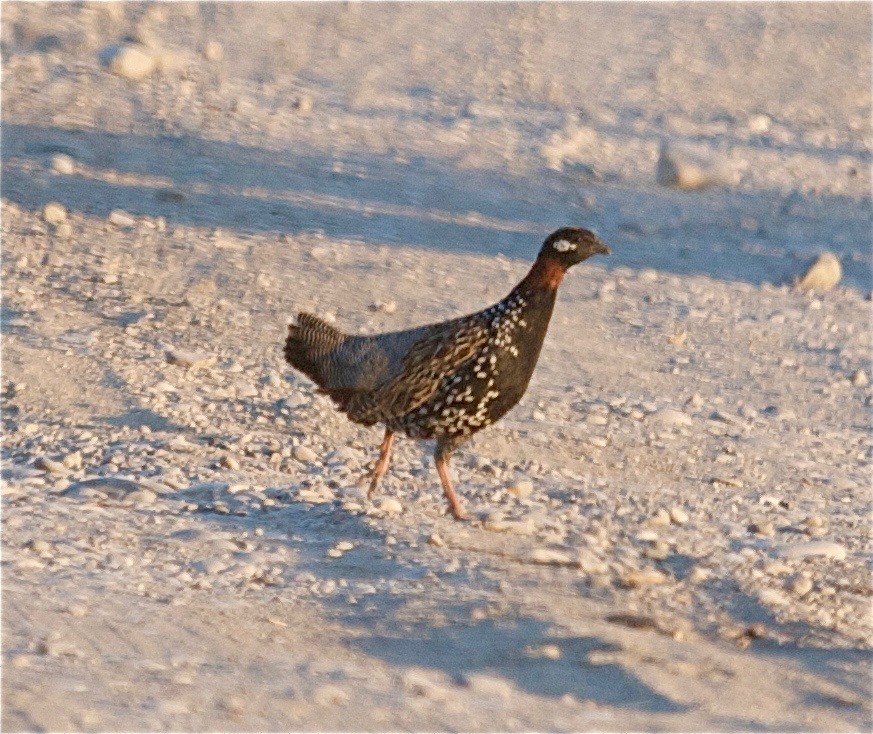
[564, 245]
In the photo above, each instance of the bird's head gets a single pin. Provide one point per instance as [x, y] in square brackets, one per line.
[570, 245]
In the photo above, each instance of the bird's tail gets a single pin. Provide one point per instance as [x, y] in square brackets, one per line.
[309, 342]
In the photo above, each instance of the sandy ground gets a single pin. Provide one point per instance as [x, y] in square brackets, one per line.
[671, 531]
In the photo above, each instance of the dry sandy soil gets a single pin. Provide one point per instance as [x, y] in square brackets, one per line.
[671, 531]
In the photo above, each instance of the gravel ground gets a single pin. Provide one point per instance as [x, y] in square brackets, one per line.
[671, 532]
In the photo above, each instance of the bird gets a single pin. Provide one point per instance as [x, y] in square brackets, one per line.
[444, 381]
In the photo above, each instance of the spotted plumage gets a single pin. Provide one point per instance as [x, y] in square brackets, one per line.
[444, 381]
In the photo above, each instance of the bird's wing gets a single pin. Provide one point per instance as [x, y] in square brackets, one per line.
[441, 351]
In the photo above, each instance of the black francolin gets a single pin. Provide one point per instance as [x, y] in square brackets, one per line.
[443, 381]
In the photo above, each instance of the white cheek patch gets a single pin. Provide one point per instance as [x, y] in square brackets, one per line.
[564, 245]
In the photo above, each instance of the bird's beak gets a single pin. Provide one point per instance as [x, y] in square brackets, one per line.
[603, 248]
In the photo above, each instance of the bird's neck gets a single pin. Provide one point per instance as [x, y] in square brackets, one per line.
[545, 275]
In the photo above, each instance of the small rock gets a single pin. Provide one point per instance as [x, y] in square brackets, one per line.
[550, 557]
[420, 683]
[436, 540]
[773, 597]
[658, 551]
[678, 515]
[391, 506]
[672, 418]
[548, 651]
[812, 549]
[40, 547]
[57, 647]
[54, 213]
[189, 360]
[590, 563]
[687, 169]
[131, 61]
[64, 231]
[50, 465]
[63, 164]
[763, 528]
[521, 488]
[121, 218]
[304, 104]
[304, 454]
[801, 585]
[660, 519]
[648, 577]
[334, 553]
[73, 461]
[823, 274]
[759, 124]
[213, 51]
[330, 695]
[344, 545]
[142, 497]
[860, 379]
[699, 574]
[489, 685]
[230, 462]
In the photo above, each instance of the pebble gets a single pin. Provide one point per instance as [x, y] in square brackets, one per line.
[699, 574]
[657, 551]
[678, 515]
[648, 577]
[859, 378]
[521, 488]
[661, 518]
[590, 563]
[64, 231]
[304, 104]
[436, 540]
[121, 218]
[489, 685]
[687, 169]
[420, 683]
[759, 123]
[330, 694]
[142, 497]
[550, 557]
[73, 460]
[391, 506]
[63, 164]
[773, 597]
[812, 549]
[548, 651]
[131, 61]
[304, 454]
[189, 360]
[801, 585]
[213, 51]
[672, 418]
[230, 462]
[823, 274]
[54, 213]
[40, 547]
[344, 545]
[763, 528]
[316, 496]
[50, 465]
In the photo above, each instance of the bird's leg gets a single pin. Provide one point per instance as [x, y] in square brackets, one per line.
[441, 460]
[382, 462]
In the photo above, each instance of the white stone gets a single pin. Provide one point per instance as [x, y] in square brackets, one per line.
[54, 213]
[812, 549]
[132, 61]
[304, 454]
[823, 274]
